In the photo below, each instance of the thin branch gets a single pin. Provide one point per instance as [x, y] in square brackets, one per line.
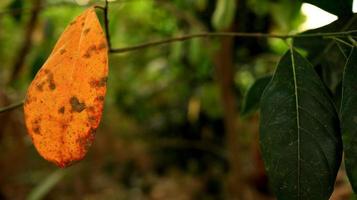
[228, 34]
[11, 107]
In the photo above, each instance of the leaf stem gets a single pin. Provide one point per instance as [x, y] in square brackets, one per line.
[106, 24]
[340, 40]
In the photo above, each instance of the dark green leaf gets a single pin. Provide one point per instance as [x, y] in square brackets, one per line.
[349, 117]
[251, 100]
[325, 53]
[318, 46]
[337, 95]
[299, 132]
[337, 7]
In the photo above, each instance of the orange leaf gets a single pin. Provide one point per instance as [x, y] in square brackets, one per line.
[64, 102]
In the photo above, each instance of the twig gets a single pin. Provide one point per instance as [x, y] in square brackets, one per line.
[229, 34]
[11, 106]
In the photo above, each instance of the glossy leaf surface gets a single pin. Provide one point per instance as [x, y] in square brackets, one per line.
[299, 132]
[64, 102]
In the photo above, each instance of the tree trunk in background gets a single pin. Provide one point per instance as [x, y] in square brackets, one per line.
[225, 79]
[23, 51]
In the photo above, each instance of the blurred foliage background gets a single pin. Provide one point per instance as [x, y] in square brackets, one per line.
[165, 130]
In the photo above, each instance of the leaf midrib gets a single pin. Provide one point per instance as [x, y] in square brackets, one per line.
[297, 119]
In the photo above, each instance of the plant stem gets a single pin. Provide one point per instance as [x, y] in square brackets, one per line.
[228, 34]
[106, 24]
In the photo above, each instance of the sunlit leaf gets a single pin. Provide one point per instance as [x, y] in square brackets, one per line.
[349, 118]
[336, 7]
[300, 136]
[64, 102]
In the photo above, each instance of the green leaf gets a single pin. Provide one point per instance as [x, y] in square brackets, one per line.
[349, 118]
[251, 99]
[299, 132]
[336, 7]
[223, 14]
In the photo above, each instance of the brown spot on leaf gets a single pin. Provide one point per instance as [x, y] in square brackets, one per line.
[92, 120]
[51, 82]
[52, 85]
[90, 109]
[92, 48]
[86, 55]
[64, 125]
[103, 81]
[100, 98]
[36, 130]
[86, 31]
[49, 75]
[62, 51]
[27, 100]
[87, 140]
[39, 86]
[73, 22]
[76, 105]
[92, 132]
[61, 110]
[36, 126]
[102, 46]
[99, 83]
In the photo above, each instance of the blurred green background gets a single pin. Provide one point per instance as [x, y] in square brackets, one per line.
[166, 131]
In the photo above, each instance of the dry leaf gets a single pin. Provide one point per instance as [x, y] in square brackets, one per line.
[64, 102]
